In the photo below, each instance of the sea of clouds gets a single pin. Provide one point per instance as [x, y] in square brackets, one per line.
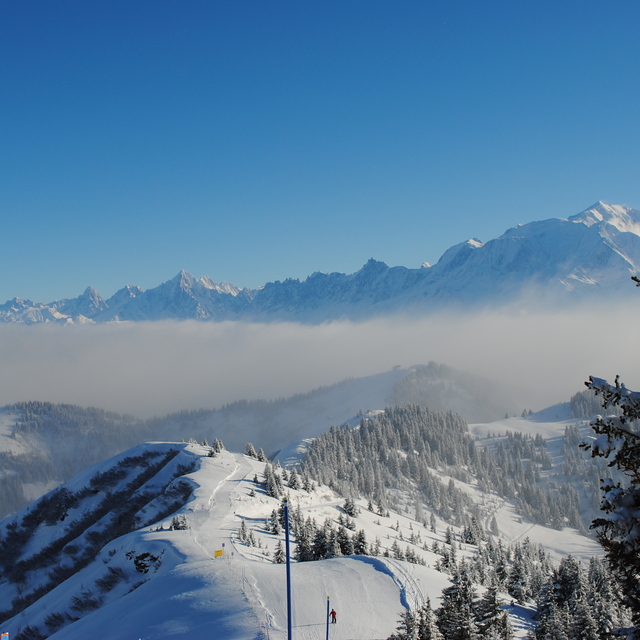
[153, 368]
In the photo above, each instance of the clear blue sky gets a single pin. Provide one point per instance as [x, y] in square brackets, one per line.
[252, 141]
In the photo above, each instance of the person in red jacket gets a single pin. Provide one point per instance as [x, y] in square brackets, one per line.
[333, 616]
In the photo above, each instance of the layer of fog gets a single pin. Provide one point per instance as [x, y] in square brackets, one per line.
[151, 369]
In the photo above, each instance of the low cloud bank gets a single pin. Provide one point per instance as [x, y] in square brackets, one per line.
[149, 369]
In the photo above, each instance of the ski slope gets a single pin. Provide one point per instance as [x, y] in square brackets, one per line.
[193, 592]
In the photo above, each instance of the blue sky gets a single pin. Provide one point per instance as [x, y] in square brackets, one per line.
[254, 141]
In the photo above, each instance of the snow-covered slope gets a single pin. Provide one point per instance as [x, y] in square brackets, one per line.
[161, 580]
[46, 444]
[556, 261]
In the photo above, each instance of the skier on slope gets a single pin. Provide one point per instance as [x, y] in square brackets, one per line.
[333, 616]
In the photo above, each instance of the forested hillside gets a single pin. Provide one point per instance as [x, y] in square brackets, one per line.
[137, 490]
[52, 442]
[413, 456]
[41, 443]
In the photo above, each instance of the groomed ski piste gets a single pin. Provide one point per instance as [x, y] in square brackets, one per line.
[207, 583]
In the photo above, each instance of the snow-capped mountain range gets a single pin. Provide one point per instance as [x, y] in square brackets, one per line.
[558, 260]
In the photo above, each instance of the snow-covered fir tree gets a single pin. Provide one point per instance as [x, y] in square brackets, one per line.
[455, 617]
[618, 530]
[492, 621]
[279, 555]
[250, 450]
[294, 480]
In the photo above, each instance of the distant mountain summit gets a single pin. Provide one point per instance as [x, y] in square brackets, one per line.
[555, 261]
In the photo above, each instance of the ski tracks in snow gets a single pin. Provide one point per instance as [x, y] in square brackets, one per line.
[207, 525]
[411, 593]
[404, 575]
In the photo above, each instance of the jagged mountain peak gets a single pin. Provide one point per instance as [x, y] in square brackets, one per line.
[184, 280]
[190, 283]
[622, 218]
[371, 269]
[127, 292]
[458, 252]
[220, 287]
[87, 304]
[91, 295]
[373, 264]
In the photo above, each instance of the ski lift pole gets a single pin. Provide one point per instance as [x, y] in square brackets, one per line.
[285, 502]
[328, 607]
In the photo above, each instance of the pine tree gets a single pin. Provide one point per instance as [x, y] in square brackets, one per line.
[604, 598]
[345, 542]
[492, 620]
[307, 485]
[323, 542]
[350, 508]
[279, 555]
[427, 629]
[250, 450]
[583, 624]
[407, 627]
[360, 546]
[294, 480]
[455, 617]
[554, 623]
[569, 582]
[563, 609]
[449, 536]
[618, 442]
[272, 481]
[304, 543]
[419, 511]
[518, 578]
[274, 523]
[396, 551]
[179, 522]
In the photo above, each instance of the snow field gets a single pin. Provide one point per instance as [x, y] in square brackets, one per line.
[192, 593]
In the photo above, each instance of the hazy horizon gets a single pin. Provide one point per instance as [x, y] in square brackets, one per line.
[153, 368]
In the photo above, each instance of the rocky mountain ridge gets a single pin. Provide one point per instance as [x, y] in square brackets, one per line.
[555, 261]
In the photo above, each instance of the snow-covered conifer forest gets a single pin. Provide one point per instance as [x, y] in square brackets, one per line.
[414, 523]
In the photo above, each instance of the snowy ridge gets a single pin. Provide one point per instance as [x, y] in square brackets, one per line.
[622, 218]
[183, 575]
[556, 261]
